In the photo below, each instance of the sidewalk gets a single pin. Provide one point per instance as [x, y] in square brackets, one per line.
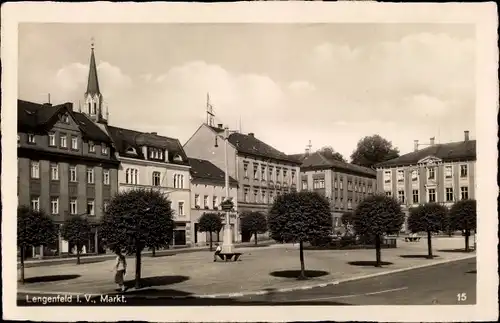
[259, 269]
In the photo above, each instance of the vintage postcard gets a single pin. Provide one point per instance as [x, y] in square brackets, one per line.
[249, 161]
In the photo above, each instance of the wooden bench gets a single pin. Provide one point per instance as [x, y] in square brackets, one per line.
[412, 239]
[229, 256]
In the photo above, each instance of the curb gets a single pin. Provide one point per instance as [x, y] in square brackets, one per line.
[263, 292]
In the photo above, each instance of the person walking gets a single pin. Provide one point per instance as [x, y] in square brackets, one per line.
[120, 270]
[217, 251]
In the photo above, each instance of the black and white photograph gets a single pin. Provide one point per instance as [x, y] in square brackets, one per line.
[324, 160]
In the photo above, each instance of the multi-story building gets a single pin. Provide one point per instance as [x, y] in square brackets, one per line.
[150, 161]
[262, 171]
[343, 184]
[442, 173]
[208, 190]
[66, 165]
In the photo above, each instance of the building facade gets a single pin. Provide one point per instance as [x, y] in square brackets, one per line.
[261, 171]
[207, 192]
[343, 184]
[150, 161]
[66, 166]
[441, 173]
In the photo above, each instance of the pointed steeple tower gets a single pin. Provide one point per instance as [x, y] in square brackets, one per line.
[93, 97]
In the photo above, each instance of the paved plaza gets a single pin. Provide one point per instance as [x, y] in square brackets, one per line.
[266, 268]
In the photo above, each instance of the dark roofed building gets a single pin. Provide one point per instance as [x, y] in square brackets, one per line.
[203, 170]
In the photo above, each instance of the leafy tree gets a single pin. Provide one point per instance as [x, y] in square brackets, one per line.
[372, 150]
[427, 217]
[136, 219]
[254, 223]
[376, 216]
[330, 153]
[210, 222]
[76, 230]
[300, 217]
[156, 242]
[347, 220]
[34, 228]
[463, 217]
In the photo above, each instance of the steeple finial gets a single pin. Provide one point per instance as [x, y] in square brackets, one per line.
[92, 43]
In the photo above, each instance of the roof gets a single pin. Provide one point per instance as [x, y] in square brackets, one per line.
[36, 117]
[125, 139]
[298, 157]
[318, 160]
[204, 170]
[461, 150]
[249, 144]
[93, 81]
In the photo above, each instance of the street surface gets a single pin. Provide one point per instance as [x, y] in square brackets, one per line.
[439, 284]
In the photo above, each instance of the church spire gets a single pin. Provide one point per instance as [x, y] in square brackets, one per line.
[93, 82]
[93, 96]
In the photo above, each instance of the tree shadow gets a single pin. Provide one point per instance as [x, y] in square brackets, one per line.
[368, 263]
[296, 273]
[456, 250]
[47, 279]
[157, 281]
[418, 256]
[158, 293]
[159, 255]
[471, 272]
[84, 261]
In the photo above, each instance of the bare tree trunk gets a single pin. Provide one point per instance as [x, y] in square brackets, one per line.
[210, 240]
[429, 245]
[153, 252]
[467, 234]
[22, 264]
[255, 238]
[378, 251]
[137, 268]
[302, 265]
[78, 248]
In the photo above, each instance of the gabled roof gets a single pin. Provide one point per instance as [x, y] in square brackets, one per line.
[298, 157]
[317, 160]
[125, 139]
[204, 170]
[39, 117]
[453, 151]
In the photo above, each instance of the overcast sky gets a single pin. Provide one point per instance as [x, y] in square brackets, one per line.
[329, 83]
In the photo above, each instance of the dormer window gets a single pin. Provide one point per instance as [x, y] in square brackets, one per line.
[104, 149]
[91, 147]
[131, 150]
[65, 118]
[31, 138]
[178, 158]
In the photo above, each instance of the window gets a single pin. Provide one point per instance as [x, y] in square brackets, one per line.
[31, 138]
[105, 205]
[401, 196]
[463, 171]
[263, 172]
[270, 173]
[64, 144]
[255, 171]
[72, 174]
[104, 149]
[155, 153]
[105, 177]
[35, 169]
[342, 203]
[321, 183]
[271, 197]
[246, 195]
[90, 175]
[414, 175]
[388, 193]
[54, 205]
[401, 176]
[156, 178]
[431, 173]
[54, 172]
[448, 172]
[73, 206]
[90, 207]
[196, 200]
[245, 169]
[277, 174]
[181, 208]
[74, 143]
[285, 174]
[304, 184]
[293, 176]
[52, 139]
[178, 181]
[349, 186]
[35, 203]
[415, 196]
[349, 204]
[91, 147]
[387, 176]
[432, 195]
[255, 196]
[341, 184]
[449, 194]
[65, 118]
[131, 176]
[205, 201]
[263, 196]
[94, 108]
[214, 202]
[335, 184]
[464, 193]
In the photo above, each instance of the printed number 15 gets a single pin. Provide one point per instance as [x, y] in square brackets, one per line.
[461, 297]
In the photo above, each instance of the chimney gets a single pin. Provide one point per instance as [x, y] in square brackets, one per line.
[432, 141]
[251, 134]
[466, 135]
[220, 126]
[154, 133]
[145, 152]
[415, 145]
[47, 104]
